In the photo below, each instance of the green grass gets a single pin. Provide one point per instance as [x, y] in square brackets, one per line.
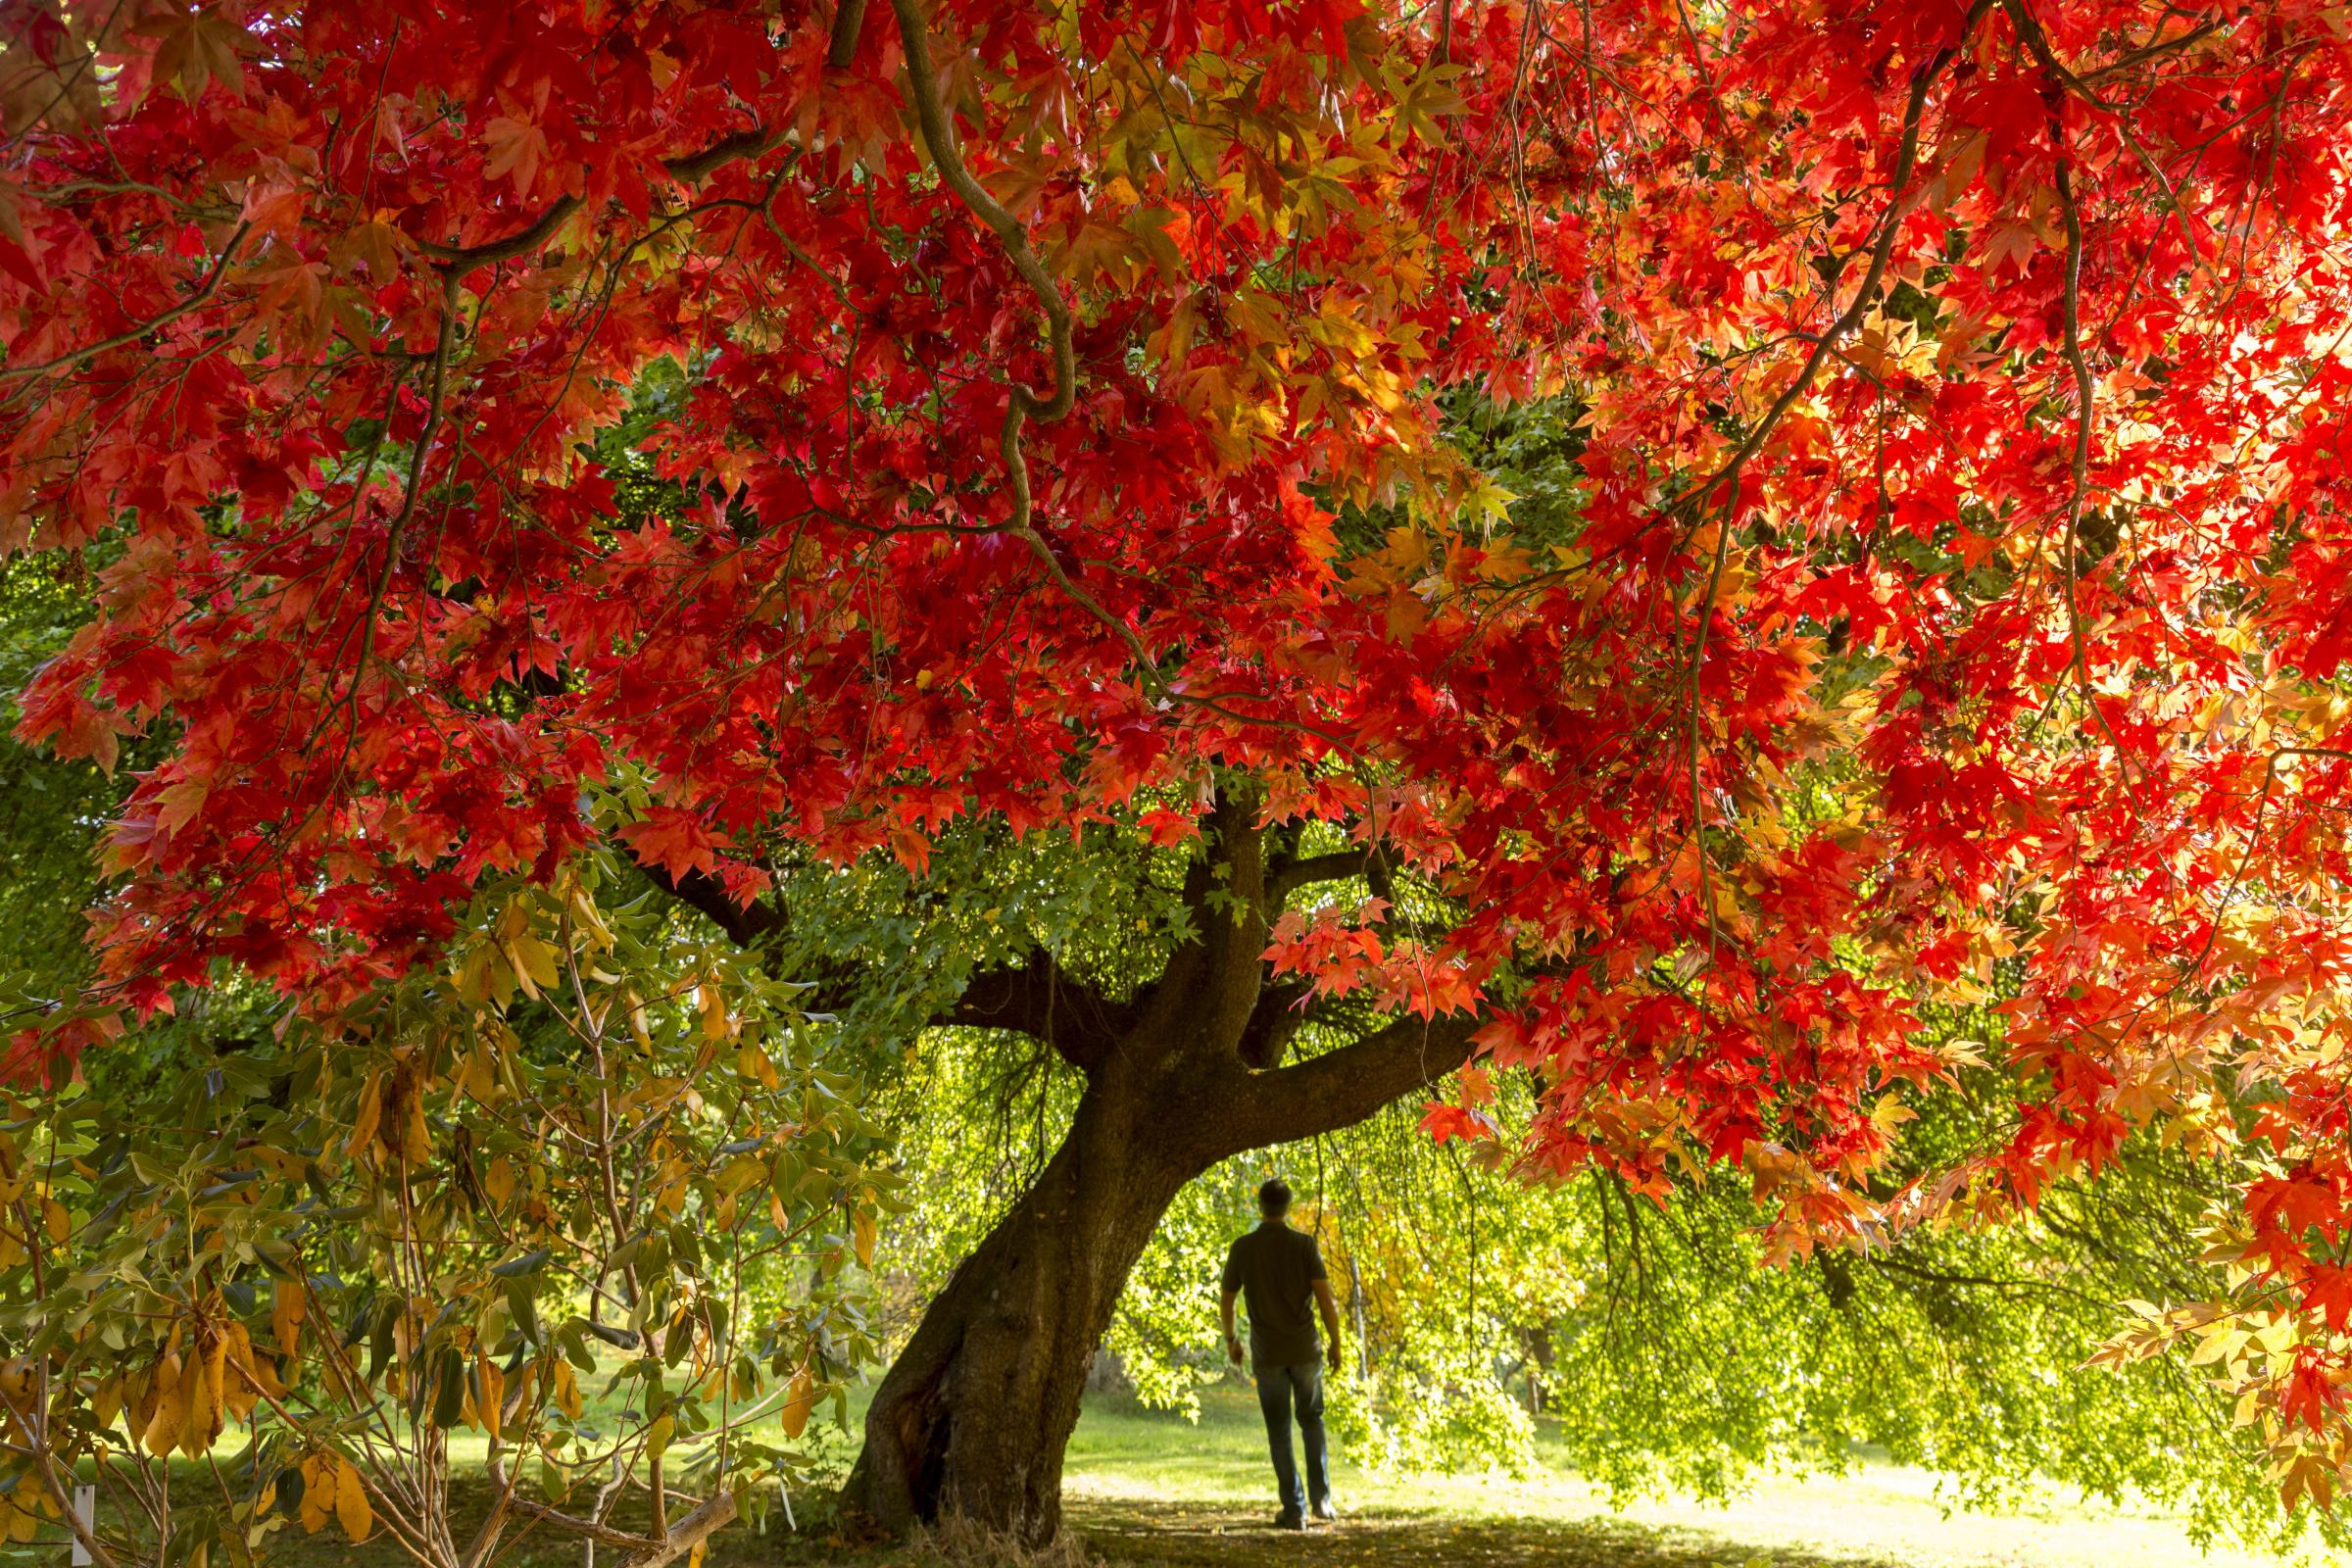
[1148, 1488]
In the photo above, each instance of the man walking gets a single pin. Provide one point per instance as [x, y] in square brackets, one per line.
[1276, 1270]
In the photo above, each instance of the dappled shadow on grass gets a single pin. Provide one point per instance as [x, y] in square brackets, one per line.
[1135, 1532]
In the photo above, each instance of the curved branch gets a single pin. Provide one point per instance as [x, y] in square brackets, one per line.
[700, 891]
[1343, 1087]
[1042, 1000]
[1881, 251]
[939, 135]
[1292, 875]
[204, 291]
[690, 168]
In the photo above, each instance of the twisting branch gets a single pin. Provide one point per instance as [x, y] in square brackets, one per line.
[939, 134]
[690, 168]
[1026, 404]
[2085, 411]
[2038, 44]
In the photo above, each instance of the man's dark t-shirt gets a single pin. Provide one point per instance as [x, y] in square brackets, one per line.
[1275, 1268]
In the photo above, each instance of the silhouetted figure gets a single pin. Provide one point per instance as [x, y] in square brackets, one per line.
[1278, 1270]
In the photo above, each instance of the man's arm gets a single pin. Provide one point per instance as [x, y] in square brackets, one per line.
[1330, 1304]
[1233, 1341]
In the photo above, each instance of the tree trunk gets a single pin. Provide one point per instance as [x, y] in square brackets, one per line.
[973, 1418]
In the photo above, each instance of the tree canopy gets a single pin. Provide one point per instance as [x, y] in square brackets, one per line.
[746, 436]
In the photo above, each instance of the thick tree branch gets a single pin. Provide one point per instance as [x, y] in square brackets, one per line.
[1266, 1037]
[1292, 875]
[688, 1533]
[707, 895]
[1343, 1087]
[1042, 999]
[847, 22]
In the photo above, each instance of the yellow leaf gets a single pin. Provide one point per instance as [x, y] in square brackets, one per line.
[351, 1505]
[163, 1428]
[106, 1401]
[490, 1394]
[1889, 1113]
[240, 1390]
[417, 1140]
[363, 1121]
[566, 1389]
[799, 1400]
[534, 963]
[862, 1237]
[199, 1403]
[289, 1304]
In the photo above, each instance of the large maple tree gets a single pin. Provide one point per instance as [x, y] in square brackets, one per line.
[1058, 421]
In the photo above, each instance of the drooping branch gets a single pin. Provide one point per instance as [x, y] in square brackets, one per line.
[1025, 406]
[939, 135]
[204, 291]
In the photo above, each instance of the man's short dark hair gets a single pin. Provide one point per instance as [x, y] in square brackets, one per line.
[1274, 1199]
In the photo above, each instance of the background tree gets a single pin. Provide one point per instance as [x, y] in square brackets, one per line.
[584, 1153]
[1059, 430]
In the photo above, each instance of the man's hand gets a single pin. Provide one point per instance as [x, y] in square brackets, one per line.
[1233, 1347]
[1331, 1321]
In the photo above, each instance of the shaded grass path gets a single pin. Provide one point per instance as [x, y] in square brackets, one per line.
[1183, 1535]
[1151, 1490]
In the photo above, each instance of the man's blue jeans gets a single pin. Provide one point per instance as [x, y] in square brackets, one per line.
[1279, 1388]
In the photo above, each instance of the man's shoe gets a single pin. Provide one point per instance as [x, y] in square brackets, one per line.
[1289, 1521]
[1325, 1512]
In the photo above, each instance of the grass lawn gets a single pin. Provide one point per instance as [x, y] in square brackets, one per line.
[1147, 1489]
